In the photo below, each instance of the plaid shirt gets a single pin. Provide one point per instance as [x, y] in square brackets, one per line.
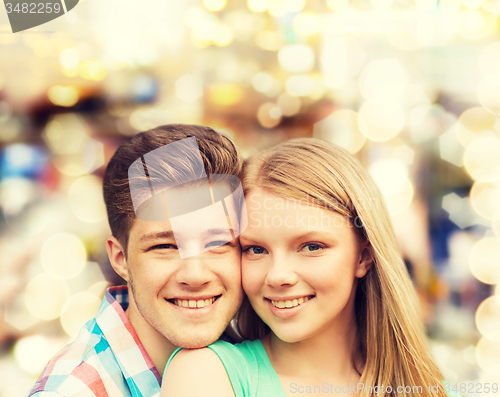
[106, 359]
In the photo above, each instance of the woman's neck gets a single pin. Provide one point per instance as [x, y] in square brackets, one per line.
[328, 357]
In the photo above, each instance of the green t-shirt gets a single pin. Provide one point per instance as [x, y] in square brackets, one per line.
[251, 373]
[248, 368]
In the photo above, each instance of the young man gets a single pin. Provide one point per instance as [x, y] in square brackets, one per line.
[173, 211]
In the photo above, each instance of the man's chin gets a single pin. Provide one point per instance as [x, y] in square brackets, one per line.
[196, 341]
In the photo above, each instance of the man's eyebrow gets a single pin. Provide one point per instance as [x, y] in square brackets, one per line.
[154, 236]
[170, 234]
[218, 231]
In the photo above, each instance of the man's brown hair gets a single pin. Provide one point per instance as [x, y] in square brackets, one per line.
[217, 151]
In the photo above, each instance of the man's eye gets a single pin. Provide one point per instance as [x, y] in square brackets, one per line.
[312, 247]
[254, 250]
[217, 243]
[163, 246]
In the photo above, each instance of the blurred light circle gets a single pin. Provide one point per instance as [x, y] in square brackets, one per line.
[427, 122]
[269, 40]
[306, 23]
[242, 23]
[32, 353]
[383, 80]
[214, 5]
[426, 4]
[45, 296]
[66, 96]
[77, 310]
[488, 353]
[492, 6]
[489, 62]
[472, 4]
[145, 118]
[390, 175]
[288, 104]
[258, 5]
[225, 94]
[267, 115]
[484, 260]
[279, 8]
[99, 289]
[342, 129]
[417, 33]
[69, 58]
[485, 198]
[401, 200]
[296, 58]
[338, 5]
[85, 199]
[265, 83]
[487, 93]
[488, 318]
[223, 37]
[93, 70]
[475, 24]
[299, 85]
[189, 88]
[75, 152]
[482, 159]
[63, 256]
[381, 5]
[380, 122]
[473, 122]
[496, 227]
[451, 5]
[15, 194]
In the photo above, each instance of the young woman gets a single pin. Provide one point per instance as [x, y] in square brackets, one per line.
[330, 307]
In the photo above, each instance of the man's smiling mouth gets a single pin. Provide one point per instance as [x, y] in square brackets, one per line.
[194, 303]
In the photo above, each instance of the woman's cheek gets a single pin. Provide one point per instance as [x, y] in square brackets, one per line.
[251, 279]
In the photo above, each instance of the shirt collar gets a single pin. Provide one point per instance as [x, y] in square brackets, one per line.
[138, 369]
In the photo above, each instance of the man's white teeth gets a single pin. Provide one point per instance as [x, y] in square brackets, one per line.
[290, 303]
[194, 304]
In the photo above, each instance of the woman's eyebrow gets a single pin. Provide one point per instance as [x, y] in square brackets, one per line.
[248, 239]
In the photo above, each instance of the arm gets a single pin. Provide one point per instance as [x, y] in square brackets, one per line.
[194, 373]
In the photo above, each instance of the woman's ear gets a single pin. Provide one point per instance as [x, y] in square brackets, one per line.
[117, 257]
[365, 260]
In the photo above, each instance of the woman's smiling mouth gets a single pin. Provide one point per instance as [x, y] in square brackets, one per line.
[290, 303]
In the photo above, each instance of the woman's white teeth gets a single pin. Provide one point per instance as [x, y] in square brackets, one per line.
[290, 303]
[194, 304]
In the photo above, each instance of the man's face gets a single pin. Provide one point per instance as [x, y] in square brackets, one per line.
[189, 301]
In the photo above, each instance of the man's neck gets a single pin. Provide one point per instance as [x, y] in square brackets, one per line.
[156, 345]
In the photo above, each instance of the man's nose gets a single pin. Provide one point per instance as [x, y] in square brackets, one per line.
[194, 272]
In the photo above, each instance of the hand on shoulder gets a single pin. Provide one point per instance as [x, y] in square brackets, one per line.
[193, 373]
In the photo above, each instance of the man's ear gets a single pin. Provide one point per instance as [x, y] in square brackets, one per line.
[117, 258]
[365, 260]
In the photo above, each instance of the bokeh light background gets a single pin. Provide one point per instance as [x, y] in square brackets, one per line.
[412, 87]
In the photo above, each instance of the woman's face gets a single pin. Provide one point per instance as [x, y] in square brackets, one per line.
[300, 264]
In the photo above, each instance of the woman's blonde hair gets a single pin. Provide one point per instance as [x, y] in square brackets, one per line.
[392, 341]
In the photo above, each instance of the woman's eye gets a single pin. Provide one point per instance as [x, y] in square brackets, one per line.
[255, 250]
[312, 247]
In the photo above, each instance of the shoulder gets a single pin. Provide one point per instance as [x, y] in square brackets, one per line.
[196, 372]
[77, 367]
